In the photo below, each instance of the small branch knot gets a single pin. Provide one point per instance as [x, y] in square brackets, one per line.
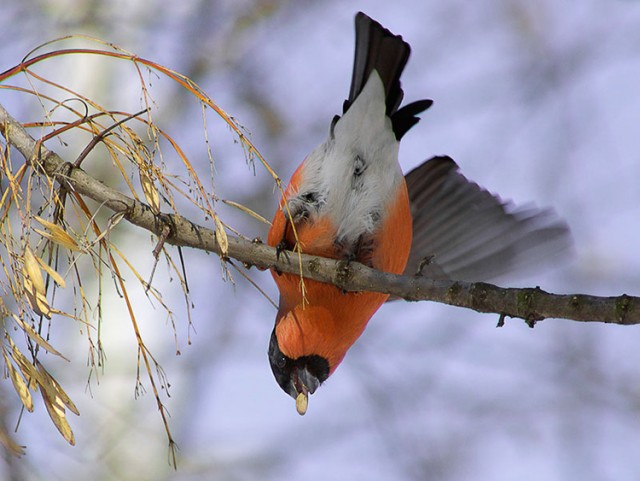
[623, 304]
[343, 273]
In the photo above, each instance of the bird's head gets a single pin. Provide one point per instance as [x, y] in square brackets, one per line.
[298, 377]
[310, 340]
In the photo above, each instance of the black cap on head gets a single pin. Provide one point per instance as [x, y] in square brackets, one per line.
[295, 376]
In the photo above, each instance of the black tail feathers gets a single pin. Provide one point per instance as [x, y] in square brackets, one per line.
[380, 50]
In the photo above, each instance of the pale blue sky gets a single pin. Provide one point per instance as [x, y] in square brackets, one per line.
[537, 101]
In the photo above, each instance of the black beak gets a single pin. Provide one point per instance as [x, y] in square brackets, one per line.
[304, 383]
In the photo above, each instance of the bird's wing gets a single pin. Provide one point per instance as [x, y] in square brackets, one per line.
[462, 232]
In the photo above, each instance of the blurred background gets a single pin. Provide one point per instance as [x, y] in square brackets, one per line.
[537, 101]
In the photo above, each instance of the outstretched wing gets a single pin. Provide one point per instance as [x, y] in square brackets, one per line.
[467, 234]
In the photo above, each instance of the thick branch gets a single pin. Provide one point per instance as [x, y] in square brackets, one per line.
[530, 304]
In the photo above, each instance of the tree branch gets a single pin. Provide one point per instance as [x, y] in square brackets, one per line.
[530, 304]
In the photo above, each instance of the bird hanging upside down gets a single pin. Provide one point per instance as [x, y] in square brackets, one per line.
[349, 200]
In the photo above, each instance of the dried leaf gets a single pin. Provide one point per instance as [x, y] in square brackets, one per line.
[19, 384]
[247, 211]
[114, 220]
[37, 301]
[56, 411]
[29, 371]
[54, 389]
[29, 331]
[42, 306]
[54, 275]
[221, 236]
[7, 441]
[57, 234]
[4, 197]
[32, 270]
[33, 283]
[149, 189]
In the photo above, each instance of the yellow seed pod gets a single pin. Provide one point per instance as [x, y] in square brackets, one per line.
[302, 402]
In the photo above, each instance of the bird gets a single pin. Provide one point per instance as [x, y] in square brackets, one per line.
[349, 200]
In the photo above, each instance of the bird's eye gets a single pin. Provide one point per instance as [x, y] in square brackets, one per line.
[281, 362]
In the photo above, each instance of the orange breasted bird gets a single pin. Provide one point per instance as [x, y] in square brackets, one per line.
[349, 200]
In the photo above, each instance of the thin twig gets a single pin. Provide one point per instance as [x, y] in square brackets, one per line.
[164, 236]
[99, 137]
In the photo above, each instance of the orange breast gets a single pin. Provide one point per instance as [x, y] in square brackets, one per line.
[330, 321]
